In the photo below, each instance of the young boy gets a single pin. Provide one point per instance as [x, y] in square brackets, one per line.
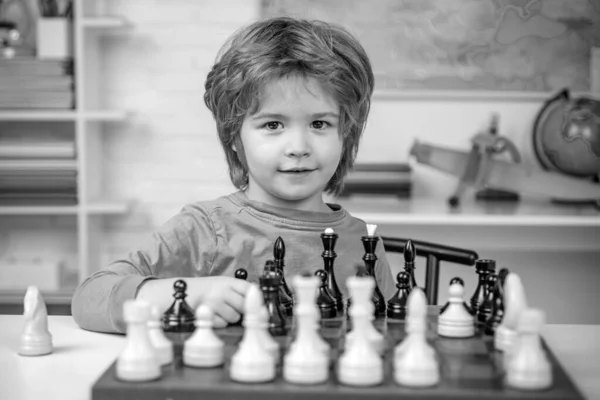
[290, 99]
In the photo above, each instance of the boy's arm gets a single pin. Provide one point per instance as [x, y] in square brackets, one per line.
[183, 245]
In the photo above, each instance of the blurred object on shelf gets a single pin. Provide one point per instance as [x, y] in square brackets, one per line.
[480, 171]
[566, 136]
[19, 273]
[391, 179]
[489, 143]
[30, 83]
[16, 23]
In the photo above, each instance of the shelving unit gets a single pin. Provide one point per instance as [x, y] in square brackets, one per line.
[88, 123]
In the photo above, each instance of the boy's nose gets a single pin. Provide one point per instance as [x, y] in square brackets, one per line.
[297, 144]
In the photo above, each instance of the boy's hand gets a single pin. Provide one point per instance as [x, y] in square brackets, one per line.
[224, 295]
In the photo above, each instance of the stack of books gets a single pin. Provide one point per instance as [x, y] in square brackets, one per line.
[391, 179]
[31, 83]
[33, 172]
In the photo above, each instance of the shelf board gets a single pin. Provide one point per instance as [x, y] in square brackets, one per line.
[94, 208]
[63, 115]
[106, 22]
[436, 212]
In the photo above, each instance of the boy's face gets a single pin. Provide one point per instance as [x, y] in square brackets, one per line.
[292, 144]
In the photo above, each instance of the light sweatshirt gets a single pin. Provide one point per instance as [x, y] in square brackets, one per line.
[217, 237]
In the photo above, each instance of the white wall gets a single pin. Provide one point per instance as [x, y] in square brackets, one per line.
[168, 154]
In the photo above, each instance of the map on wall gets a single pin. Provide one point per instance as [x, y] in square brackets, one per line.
[466, 45]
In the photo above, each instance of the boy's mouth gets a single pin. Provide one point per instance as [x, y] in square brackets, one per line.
[296, 171]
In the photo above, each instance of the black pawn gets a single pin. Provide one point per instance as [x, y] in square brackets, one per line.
[279, 261]
[370, 259]
[285, 301]
[409, 261]
[269, 283]
[483, 268]
[396, 306]
[329, 255]
[458, 280]
[325, 300]
[485, 309]
[241, 273]
[180, 317]
[498, 308]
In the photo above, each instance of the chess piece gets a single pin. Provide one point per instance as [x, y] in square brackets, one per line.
[485, 308]
[262, 318]
[375, 337]
[162, 345]
[370, 260]
[458, 280]
[279, 262]
[528, 367]
[306, 288]
[456, 321]
[241, 273]
[270, 283]
[285, 301]
[396, 306]
[36, 339]
[409, 254]
[138, 362]
[515, 302]
[179, 318]
[203, 348]
[495, 317]
[483, 267]
[307, 361]
[415, 361]
[329, 238]
[252, 362]
[325, 300]
[360, 364]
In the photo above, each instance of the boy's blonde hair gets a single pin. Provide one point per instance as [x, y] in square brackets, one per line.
[281, 47]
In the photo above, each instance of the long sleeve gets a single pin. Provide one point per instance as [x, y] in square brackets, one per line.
[184, 246]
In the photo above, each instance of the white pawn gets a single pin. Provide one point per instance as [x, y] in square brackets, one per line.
[305, 289]
[138, 361]
[456, 321]
[376, 338]
[36, 339]
[415, 361]
[360, 364]
[163, 346]
[252, 362]
[203, 348]
[515, 303]
[527, 366]
[306, 362]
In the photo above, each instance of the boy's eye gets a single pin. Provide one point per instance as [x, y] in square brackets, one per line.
[320, 124]
[273, 125]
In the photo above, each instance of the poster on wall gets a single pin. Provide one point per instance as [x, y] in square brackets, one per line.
[528, 46]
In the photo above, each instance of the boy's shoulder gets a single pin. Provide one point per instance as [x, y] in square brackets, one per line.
[208, 207]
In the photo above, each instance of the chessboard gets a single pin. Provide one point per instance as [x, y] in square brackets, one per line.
[469, 368]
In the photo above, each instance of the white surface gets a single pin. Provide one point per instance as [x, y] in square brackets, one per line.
[80, 357]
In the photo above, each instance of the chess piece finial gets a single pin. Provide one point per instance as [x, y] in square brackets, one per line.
[396, 306]
[325, 299]
[36, 339]
[241, 273]
[279, 261]
[180, 316]
[409, 261]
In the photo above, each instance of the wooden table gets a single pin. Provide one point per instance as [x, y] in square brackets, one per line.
[80, 357]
